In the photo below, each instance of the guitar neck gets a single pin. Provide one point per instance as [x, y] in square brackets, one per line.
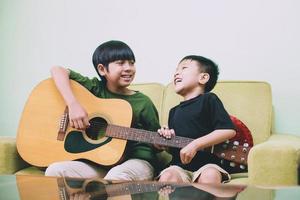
[145, 136]
[138, 187]
[130, 188]
[226, 150]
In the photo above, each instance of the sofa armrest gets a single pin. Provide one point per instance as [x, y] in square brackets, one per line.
[275, 162]
[10, 161]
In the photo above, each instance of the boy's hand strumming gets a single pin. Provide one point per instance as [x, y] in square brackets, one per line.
[78, 116]
[188, 152]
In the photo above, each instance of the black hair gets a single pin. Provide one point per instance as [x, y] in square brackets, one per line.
[111, 51]
[209, 67]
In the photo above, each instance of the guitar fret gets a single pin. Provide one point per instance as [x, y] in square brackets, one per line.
[130, 188]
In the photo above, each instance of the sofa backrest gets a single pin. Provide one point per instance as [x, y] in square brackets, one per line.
[249, 101]
[153, 90]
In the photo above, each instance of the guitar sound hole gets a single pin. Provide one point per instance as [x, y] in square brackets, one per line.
[97, 128]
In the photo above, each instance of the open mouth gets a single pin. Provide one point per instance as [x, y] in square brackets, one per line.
[126, 77]
[177, 80]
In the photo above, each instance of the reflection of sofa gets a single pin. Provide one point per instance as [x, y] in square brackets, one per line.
[273, 160]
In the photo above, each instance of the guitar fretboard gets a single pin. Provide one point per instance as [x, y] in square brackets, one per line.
[145, 136]
[232, 152]
[136, 188]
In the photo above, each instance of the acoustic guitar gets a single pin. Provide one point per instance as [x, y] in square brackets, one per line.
[44, 135]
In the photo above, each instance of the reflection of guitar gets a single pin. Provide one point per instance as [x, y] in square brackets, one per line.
[44, 136]
[63, 188]
[101, 189]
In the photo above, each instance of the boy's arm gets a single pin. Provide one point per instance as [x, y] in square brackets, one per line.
[77, 114]
[217, 136]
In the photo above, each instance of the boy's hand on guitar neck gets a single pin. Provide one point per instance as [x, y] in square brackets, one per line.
[166, 133]
[186, 154]
[78, 116]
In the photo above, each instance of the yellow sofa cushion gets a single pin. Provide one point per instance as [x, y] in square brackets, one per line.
[10, 161]
[153, 90]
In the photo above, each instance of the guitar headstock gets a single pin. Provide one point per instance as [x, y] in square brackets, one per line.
[234, 152]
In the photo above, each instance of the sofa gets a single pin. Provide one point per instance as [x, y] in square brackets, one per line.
[273, 160]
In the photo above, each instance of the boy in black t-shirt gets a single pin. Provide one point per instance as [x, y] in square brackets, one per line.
[200, 116]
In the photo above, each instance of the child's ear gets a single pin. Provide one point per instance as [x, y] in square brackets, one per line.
[101, 69]
[203, 78]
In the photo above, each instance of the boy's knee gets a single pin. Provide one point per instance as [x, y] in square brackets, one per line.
[166, 176]
[170, 175]
[210, 175]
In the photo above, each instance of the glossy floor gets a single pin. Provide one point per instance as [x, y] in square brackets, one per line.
[50, 188]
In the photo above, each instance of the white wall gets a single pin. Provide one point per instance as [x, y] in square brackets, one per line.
[250, 40]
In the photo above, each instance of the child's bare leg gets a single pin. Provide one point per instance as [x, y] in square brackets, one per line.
[170, 175]
[210, 175]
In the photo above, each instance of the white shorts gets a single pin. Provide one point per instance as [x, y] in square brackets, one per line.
[132, 169]
[189, 176]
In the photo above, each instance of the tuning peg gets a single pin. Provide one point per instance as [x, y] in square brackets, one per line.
[242, 166]
[236, 143]
[232, 164]
[246, 145]
[222, 155]
[227, 141]
[244, 150]
[232, 157]
[242, 159]
[234, 148]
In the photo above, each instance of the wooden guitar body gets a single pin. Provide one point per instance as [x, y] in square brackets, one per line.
[42, 118]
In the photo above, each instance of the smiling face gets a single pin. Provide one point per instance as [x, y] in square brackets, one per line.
[119, 75]
[189, 81]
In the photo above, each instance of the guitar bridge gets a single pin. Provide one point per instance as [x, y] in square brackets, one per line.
[63, 195]
[63, 125]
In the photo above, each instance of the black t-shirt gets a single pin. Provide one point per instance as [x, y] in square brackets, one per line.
[195, 118]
